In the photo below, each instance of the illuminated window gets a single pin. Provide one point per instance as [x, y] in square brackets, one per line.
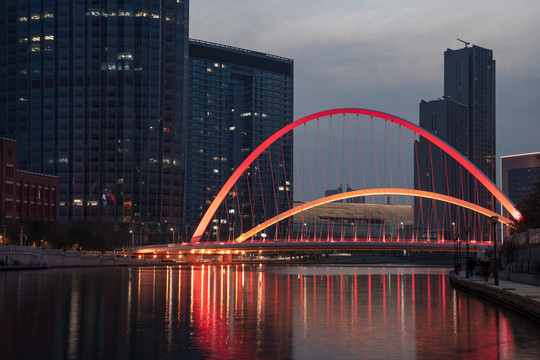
[125, 55]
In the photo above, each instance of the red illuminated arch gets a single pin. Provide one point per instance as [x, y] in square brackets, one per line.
[479, 175]
[370, 192]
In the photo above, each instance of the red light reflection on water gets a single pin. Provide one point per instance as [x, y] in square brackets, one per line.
[246, 312]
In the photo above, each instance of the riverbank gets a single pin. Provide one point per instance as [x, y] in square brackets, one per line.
[27, 258]
[523, 298]
[22, 258]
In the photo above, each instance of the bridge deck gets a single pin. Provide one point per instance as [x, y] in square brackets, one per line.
[305, 246]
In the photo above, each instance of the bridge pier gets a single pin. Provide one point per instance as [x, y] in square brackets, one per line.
[227, 258]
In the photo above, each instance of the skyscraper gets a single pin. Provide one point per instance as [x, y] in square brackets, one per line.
[94, 92]
[238, 98]
[436, 172]
[465, 119]
[469, 78]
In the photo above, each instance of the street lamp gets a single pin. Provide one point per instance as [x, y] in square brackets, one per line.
[132, 238]
[455, 257]
[402, 231]
[172, 229]
[494, 220]
[21, 230]
[458, 266]
[467, 269]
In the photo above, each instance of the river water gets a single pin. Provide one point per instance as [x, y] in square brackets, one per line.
[247, 312]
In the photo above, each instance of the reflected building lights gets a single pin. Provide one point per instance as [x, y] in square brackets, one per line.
[239, 312]
[74, 315]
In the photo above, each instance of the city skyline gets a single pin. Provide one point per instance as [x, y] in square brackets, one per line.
[399, 49]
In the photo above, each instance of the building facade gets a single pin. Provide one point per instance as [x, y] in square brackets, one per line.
[94, 93]
[24, 195]
[237, 99]
[354, 222]
[519, 175]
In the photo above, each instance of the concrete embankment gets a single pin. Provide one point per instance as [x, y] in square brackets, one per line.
[22, 257]
[523, 298]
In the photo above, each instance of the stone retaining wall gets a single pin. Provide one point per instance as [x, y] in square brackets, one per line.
[17, 257]
[22, 256]
[524, 304]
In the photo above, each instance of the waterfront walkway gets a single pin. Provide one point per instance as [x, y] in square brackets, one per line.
[523, 298]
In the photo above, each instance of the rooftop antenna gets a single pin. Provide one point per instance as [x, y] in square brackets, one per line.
[465, 42]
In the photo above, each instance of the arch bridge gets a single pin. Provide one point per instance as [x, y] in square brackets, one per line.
[463, 166]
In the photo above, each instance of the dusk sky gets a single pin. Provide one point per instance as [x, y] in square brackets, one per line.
[388, 55]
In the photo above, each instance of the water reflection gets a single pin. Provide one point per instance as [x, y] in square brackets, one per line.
[246, 312]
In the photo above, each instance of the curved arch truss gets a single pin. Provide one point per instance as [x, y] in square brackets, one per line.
[479, 175]
[370, 192]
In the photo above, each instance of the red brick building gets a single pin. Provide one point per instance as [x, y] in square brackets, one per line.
[24, 194]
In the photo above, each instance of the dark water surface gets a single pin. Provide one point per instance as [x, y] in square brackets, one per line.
[246, 312]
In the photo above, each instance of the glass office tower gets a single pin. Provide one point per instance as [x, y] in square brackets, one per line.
[94, 92]
[466, 120]
[469, 78]
[237, 99]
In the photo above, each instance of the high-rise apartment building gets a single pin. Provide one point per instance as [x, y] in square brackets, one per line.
[94, 93]
[237, 99]
[469, 78]
[465, 119]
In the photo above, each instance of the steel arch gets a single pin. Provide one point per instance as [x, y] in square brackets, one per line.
[484, 180]
[369, 192]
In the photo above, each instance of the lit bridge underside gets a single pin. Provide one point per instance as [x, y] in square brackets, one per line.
[370, 192]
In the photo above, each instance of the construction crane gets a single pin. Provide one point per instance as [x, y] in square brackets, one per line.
[465, 42]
